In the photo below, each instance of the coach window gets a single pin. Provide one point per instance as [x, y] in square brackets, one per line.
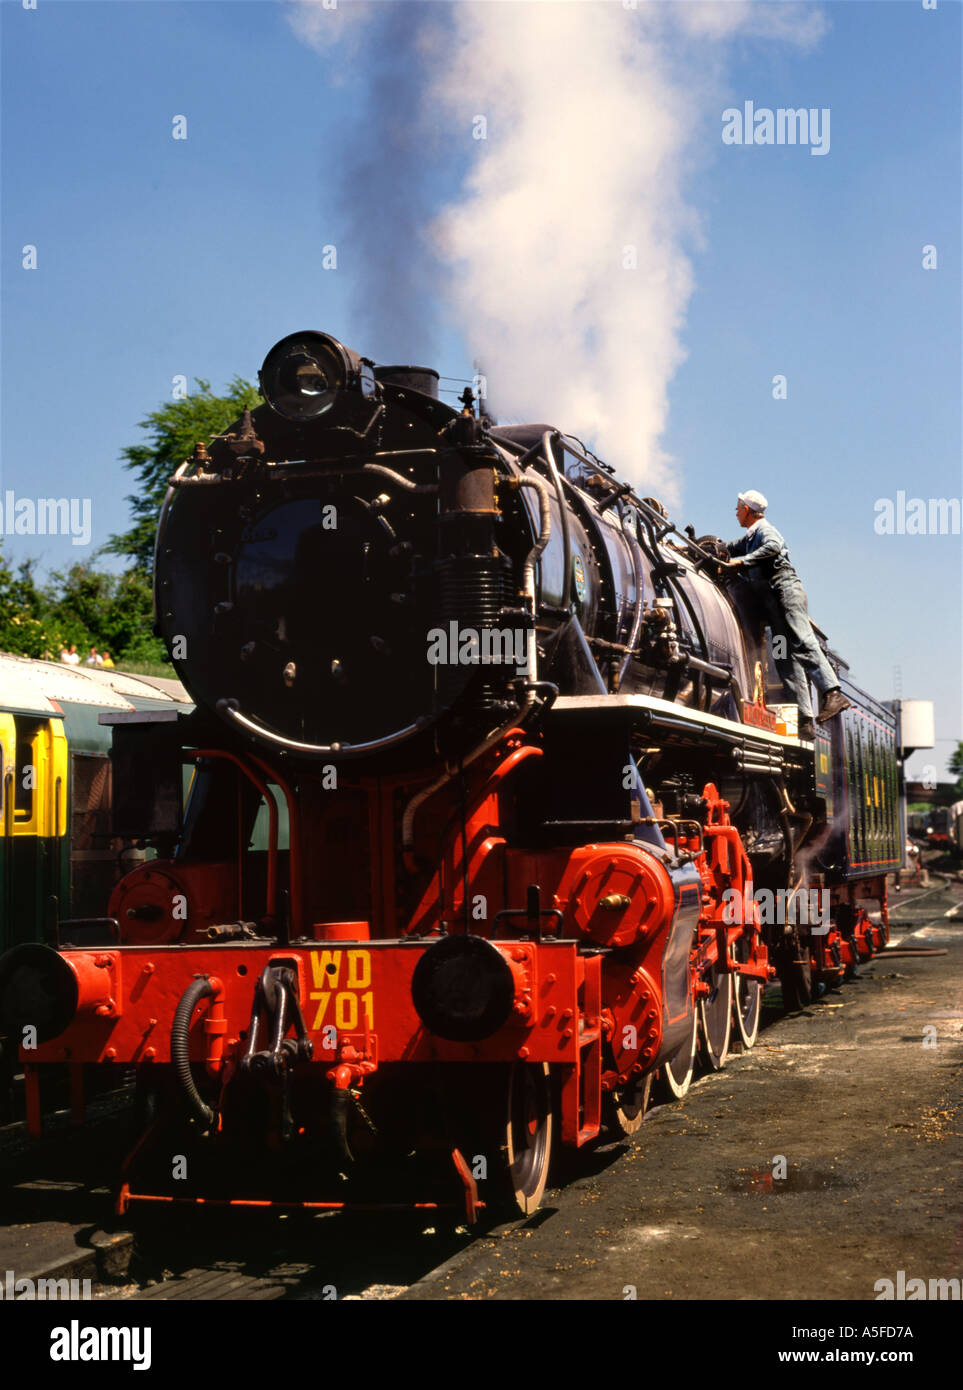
[25, 781]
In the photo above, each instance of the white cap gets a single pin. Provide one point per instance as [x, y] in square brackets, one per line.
[754, 501]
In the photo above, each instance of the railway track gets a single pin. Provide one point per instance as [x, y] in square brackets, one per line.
[324, 1258]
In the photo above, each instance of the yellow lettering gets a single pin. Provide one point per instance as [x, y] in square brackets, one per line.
[346, 1012]
[359, 969]
[324, 976]
[326, 973]
[323, 1000]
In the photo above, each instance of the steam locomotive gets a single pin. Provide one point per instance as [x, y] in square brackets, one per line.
[942, 826]
[489, 812]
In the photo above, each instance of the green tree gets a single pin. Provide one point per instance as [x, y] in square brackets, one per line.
[173, 430]
[27, 626]
[113, 612]
[955, 765]
[88, 606]
[81, 605]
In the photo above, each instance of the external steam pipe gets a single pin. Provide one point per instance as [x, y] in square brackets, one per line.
[637, 619]
[542, 693]
[539, 485]
[563, 514]
[532, 480]
[418, 800]
[200, 988]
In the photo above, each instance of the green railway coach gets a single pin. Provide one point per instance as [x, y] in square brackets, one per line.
[58, 858]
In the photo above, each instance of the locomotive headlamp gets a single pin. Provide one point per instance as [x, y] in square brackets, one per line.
[38, 989]
[304, 374]
[463, 989]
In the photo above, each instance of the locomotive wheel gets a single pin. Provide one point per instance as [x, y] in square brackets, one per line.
[528, 1133]
[715, 1017]
[746, 999]
[677, 1072]
[795, 976]
[626, 1106]
[517, 1115]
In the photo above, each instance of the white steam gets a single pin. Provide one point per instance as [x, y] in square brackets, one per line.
[569, 275]
[562, 256]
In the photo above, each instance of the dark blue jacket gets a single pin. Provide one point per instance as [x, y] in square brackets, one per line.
[764, 550]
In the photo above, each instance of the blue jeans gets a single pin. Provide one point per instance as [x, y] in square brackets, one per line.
[785, 603]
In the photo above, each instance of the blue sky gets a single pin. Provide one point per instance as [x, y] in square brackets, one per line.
[159, 257]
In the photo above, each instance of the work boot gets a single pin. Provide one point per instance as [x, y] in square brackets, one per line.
[806, 728]
[833, 703]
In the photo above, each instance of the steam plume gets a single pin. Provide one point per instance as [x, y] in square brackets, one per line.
[563, 258]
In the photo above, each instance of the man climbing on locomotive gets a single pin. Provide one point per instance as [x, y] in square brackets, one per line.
[763, 560]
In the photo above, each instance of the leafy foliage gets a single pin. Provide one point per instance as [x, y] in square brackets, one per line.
[81, 605]
[955, 765]
[27, 627]
[173, 431]
[88, 606]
